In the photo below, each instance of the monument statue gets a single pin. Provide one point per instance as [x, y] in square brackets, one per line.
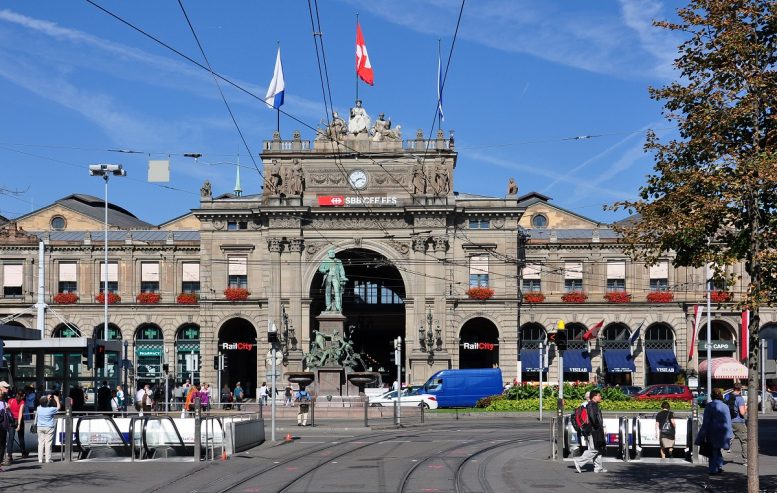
[275, 180]
[359, 121]
[418, 179]
[334, 281]
[206, 190]
[296, 179]
[442, 183]
[334, 130]
[332, 350]
[512, 187]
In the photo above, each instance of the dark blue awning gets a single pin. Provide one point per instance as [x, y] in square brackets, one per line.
[577, 361]
[662, 361]
[619, 361]
[530, 360]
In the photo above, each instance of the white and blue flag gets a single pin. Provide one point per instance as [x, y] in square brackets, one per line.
[275, 91]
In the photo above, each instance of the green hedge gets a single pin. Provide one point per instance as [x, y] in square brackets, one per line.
[498, 403]
[571, 392]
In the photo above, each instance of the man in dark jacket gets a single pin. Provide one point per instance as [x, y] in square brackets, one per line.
[104, 397]
[595, 440]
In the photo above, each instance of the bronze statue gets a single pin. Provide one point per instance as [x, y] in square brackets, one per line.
[334, 282]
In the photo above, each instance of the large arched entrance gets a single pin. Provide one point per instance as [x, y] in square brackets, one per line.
[373, 304]
[479, 344]
[237, 342]
[149, 355]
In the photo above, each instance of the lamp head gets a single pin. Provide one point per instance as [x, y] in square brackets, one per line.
[107, 169]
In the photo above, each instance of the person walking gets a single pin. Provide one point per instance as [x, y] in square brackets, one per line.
[595, 439]
[44, 420]
[665, 429]
[5, 425]
[287, 394]
[104, 397]
[303, 397]
[716, 431]
[238, 396]
[121, 399]
[17, 407]
[263, 393]
[738, 411]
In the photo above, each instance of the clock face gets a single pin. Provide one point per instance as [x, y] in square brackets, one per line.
[358, 179]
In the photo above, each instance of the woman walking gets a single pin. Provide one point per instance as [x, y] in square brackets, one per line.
[715, 432]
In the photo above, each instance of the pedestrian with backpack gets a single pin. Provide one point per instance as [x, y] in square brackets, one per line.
[738, 410]
[304, 407]
[589, 419]
[665, 429]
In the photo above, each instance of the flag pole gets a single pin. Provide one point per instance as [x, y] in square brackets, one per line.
[439, 93]
[356, 72]
[278, 115]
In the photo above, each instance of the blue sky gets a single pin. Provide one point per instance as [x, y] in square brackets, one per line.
[526, 77]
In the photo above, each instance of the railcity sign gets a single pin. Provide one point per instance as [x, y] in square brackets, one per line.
[237, 346]
[478, 346]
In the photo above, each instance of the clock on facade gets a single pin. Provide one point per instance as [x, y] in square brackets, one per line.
[358, 179]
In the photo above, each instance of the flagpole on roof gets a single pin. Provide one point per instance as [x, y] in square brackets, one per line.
[276, 89]
[356, 72]
[278, 109]
[439, 87]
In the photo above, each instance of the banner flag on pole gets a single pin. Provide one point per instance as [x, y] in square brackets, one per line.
[635, 337]
[697, 311]
[593, 332]
[275, 91]
[745, 344]
[363, 65]
[439, 87]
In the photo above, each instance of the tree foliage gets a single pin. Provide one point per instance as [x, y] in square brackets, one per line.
[713, 195]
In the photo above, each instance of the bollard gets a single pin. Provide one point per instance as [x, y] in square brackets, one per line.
[197, 429]
[366, 405]
[313, 412]
[68, 430]
[623, 438]
[693, 429]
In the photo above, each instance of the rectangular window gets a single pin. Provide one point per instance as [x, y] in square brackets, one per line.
[573, 276]
[659, 276]
[149, 277]
[113, 277]
[236, 225]
[190, 281]
[237, 272]
[68, 277]
[478, 271]
[616, 276]
[479, 223]
[531, 278]
[12, 280]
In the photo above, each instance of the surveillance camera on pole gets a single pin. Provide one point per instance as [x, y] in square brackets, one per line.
[107, 169]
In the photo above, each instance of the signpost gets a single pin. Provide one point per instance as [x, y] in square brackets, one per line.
[542, 367]
[561, 346]
[398, 359]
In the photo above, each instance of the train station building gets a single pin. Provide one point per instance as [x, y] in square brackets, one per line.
[467, 281]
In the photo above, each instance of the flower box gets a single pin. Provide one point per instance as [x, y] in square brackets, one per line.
[574, 297]
[65, 298]
[660, 297]
[480, 293]
[236, 294]
[618, 297]
[534, 297]
[148, 298]
[187, 299]
[112, 298]
[721, 296]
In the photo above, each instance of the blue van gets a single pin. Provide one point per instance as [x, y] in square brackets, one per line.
[463, 388]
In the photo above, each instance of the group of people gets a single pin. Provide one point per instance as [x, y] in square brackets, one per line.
[17, 407]
[723, 421]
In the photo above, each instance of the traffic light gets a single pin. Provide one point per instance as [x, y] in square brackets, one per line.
[165, 368]
[561, 336]
[89, 356]
[99, 356]
[216, 362]
[272, 334]
[225, 361]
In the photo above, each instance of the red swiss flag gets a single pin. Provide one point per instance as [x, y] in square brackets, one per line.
[331, 200]
[363, 66]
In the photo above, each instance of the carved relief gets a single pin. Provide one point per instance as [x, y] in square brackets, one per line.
[419, 244]
[284, 222]
[319, 178]
[328, 223]
[498, 223]
[218, 224]
[440, 243]
[296, 244]
[312, 248]
[429, 222]
[399, 246]
[274, 244]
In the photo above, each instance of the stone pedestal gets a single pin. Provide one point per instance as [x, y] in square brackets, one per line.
[330, 380]
[329, 321]
[294, 361]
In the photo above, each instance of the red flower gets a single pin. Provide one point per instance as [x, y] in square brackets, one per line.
[534, 297]
[236, 294]
[480, 293]
[660, 297]
[617, 297]
[574, 297]
[148, 298]
[112, 298]
[721, 296]
[65, 298]
[187, 299]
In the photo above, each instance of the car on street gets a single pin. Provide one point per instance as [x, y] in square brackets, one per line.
[407, 399]
[630, 390]
[664, 392]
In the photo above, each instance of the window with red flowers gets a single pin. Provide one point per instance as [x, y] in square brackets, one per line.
[236, 294]
[574, 297]
[480, 293]
[618, 297]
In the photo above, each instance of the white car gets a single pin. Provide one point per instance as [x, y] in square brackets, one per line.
[408, 399]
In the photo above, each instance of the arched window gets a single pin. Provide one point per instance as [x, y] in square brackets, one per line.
[69, 330]
[187, 354]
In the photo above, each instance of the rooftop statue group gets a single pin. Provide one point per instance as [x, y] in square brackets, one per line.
[359, 123]
[431, 180]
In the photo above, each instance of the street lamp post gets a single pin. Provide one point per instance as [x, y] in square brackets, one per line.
[105, 171]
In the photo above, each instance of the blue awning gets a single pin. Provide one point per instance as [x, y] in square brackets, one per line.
[577, 361]
[662, 361]
[530, 360]
[619, 361]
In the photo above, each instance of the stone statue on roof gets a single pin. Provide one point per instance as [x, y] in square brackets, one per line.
[359, 121]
